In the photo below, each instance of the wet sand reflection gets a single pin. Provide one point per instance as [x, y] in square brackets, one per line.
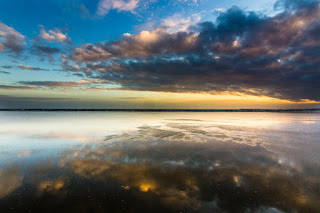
[177, 167]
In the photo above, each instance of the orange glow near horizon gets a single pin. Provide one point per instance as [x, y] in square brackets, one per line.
[161, 100]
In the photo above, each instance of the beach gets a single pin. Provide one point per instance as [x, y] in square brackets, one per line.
[159, 161]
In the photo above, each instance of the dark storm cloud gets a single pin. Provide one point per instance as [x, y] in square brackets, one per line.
[243, 52]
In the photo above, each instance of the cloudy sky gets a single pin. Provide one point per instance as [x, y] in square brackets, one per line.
[159, 54]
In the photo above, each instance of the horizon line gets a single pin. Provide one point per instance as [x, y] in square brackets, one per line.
[169, 110]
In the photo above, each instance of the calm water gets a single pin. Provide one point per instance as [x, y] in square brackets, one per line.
[159, 162]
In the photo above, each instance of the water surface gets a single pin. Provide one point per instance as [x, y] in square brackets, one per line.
[159, 162]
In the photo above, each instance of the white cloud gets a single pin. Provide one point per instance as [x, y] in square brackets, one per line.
[221, 10]
[105, 6]
[190, 1]
[54, 36]
[177, 23]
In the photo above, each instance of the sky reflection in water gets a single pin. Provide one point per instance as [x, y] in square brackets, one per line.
[174, 162]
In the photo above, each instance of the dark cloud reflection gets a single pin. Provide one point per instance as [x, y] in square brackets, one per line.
[178, 168]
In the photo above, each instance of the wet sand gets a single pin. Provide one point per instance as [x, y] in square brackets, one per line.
[159, 162]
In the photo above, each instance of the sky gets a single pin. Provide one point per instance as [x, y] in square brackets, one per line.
[160, 54]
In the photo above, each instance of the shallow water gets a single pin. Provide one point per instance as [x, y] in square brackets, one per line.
[159, 162]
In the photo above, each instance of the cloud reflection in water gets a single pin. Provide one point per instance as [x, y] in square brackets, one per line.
[176, 167]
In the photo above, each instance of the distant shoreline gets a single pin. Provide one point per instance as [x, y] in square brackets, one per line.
[166, 110]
